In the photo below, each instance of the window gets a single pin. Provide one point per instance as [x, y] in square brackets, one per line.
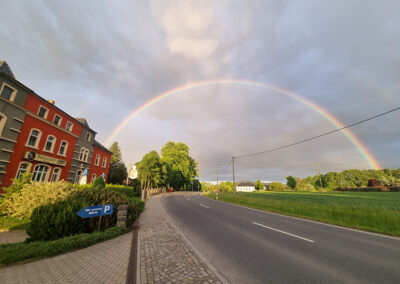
[3, 120]
[34, 138]
[93, 177]
[8, 93]
[104, 162]
[96, 162]
[84, 154]
[49, 146]
[68, 127]
[78, 176]
[43, 112]
[88, 135]
[63, 148]
[23, 167]
[56, 175]
[57, 120]
[40, 173]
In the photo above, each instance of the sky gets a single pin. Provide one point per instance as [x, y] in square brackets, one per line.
[102, 60]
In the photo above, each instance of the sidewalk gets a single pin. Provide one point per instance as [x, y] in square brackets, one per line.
[165, 256]
[105, 262]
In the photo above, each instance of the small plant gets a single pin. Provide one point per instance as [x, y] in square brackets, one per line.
[99, 182]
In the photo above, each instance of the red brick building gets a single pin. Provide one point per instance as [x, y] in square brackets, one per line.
[46, 140]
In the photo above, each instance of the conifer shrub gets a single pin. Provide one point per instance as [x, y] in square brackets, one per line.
[99, 182]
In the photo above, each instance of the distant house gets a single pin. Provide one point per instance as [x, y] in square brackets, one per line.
[245, 186]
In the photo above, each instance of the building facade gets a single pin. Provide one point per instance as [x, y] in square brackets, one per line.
[38, 136]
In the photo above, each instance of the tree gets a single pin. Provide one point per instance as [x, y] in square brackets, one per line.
[259, 185]
[277, 186]
[152, 172]
[291, 182]
[181, 168]
[118, 172]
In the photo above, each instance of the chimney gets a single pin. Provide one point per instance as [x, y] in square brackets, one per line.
[51, 101]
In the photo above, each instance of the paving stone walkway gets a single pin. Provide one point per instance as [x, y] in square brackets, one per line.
[165, 256]
[106, 262]
[9, 237]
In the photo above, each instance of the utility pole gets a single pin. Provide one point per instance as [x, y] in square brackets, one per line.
[319, 173]
[233, 174]
[217, 180]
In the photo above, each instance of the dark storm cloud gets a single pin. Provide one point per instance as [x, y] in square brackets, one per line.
[111, 57]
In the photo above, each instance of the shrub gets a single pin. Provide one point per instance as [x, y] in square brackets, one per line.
[21, 204]
[99, 182]
[277, 186]
[56, 220]
[59, 219]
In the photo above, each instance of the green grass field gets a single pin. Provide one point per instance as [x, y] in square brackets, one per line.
[372, 211]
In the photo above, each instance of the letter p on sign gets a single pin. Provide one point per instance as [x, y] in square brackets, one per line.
[107, 208]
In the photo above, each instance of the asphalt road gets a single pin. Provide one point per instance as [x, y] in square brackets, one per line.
[250, 246]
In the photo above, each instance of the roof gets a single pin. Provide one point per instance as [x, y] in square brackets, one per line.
[5, 68]
[246, 183]
[98, 145]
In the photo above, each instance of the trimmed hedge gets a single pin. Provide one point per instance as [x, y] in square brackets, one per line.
[12, 253]
[59, 219]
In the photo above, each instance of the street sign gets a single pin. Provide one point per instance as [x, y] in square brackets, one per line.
[94, 211]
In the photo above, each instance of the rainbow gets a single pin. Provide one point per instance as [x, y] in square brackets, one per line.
[362, 149]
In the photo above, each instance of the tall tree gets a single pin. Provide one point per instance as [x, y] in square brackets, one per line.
[182, 168]
[118, 172]
[152, 172]
[259, 185]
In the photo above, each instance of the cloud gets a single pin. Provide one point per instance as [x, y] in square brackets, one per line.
[103, 60]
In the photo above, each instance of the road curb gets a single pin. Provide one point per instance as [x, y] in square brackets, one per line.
[202, 257]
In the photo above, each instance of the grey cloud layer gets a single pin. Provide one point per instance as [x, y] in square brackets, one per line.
[111, 57]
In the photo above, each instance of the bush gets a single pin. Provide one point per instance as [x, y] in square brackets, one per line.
[99, 182]
[21, 204]
[56, 220]
[277, 186]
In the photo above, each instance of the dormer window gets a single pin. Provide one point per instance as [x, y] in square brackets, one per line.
[57, 120]
[8, 92]
[43, 112]
[88, 136]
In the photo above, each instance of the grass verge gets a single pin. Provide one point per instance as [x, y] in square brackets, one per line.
[19, 252]
[9, 223]
[369, 216]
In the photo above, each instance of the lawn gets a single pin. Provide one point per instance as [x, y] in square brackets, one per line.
[372, 211]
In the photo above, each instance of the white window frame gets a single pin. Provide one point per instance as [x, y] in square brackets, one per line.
[84, 154]
[97, 161]
[58, 175]
[76, 176]
[36, 146]
[59, 122]
[93, 177]
[104, 163]
[13, 94]
[65, 148]
[19, 168]
[52, 145]
[88, 136]
[46, 177]
[2, 122]
[69, 123]
[46, 114]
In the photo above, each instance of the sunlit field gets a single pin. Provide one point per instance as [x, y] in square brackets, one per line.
[371, 211]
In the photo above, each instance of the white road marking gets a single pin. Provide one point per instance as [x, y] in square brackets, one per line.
[204, 206]
[283, 232]
[187, 199]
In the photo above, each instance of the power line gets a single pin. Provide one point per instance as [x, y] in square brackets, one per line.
[318, 136]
